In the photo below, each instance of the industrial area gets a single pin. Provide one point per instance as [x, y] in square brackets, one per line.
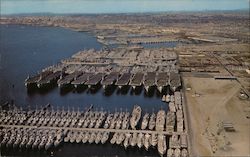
[203, 76]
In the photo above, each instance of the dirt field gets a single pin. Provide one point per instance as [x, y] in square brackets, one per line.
[211, 102]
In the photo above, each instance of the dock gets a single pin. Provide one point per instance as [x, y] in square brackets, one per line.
[124, 79]
[149, 80]
[110, 79]
[66, 80]
[90, 129]
[49, 79]
[81, 79]
[94, 79]
[162, 80]
[137, 80]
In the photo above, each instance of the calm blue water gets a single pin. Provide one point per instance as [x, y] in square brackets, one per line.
[27, 49]
[117, 6]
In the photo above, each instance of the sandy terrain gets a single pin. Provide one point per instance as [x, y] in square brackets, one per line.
[209, 103]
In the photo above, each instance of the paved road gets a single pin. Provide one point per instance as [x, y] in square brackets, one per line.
[187, 121]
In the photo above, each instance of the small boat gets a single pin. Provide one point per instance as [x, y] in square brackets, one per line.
[126, 141]
[146, 141]
[163, 98]
[114, 138]
[151, 124]
[136, 115]
[184, 153]
[144, 123]
[105, 137]
[120, 139]
[170, 152]
[139, 140]
[133, 140]
[86, 137]
[177, 152]
[98, 137]
[153, 140]
[92, 137]
[162, 147]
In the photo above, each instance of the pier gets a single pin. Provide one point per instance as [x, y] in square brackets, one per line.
[90, 129]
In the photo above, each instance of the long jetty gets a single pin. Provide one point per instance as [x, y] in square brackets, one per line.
[90, 129]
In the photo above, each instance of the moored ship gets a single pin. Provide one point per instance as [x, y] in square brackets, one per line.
[136, 115]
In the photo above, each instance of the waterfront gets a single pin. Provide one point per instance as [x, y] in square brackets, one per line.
[29, 55]
[210, 53]
[26, 47]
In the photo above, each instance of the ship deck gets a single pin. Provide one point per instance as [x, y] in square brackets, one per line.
[95, 79]
[162, 79]
[50, 77]
[69, 78]
[82, 79]
[150, 79]
[124, 79]
[110, 78]
[137, 79]
[36, 78]
[175, 80]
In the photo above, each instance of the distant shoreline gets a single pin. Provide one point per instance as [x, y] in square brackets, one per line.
[244, 11]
